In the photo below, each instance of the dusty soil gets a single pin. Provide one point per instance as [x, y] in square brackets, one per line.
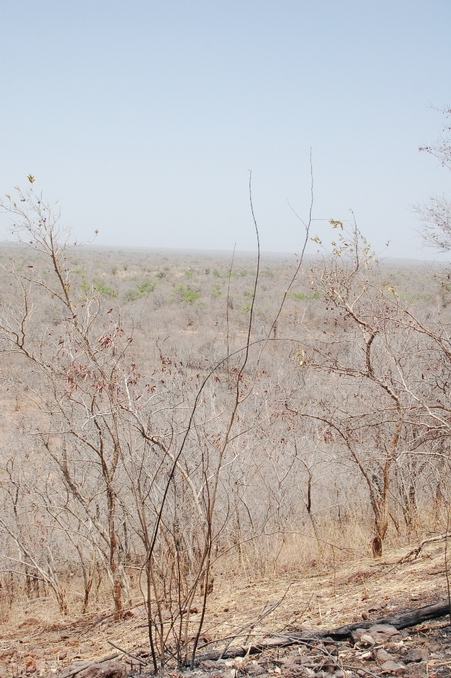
[34, 641]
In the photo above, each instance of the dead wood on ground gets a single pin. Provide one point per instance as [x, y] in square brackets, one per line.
[416, 551]
[400, 621]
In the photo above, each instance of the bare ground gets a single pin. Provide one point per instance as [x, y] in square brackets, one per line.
[34, 640]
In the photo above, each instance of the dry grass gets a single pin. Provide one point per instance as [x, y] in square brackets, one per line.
[307, 598]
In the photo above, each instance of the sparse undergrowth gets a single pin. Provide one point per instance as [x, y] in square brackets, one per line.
[243, 610]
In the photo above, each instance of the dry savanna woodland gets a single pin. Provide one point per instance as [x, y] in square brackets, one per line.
[174, 422]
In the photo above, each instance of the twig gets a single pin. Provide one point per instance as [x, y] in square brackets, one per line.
[137, 659]
[267, 609]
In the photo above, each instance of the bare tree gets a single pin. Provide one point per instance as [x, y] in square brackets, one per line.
[363, 360]
[139, 453]
[74, 371]
[435, 214]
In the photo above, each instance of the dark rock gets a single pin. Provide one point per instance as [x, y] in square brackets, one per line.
[416, 655]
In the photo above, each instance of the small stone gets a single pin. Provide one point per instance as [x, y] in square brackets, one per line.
[254, 669]
[383, 656]
[366, 639]
[104, 670]
[393, 667]
[383, 632]
[213, 664]
[357, 634]
[416, 655]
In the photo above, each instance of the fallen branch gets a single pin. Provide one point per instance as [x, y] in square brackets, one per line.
[73, 670]
[241, 651]
[400, 621]
[416, 551]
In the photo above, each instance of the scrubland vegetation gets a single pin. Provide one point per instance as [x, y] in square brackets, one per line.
[172, 419]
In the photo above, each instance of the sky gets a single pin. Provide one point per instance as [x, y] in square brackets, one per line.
[143, 118]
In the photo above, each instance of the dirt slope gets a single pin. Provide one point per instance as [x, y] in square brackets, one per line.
[33, 640]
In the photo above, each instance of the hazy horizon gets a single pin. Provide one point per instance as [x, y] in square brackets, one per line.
[223, 253]
[143, 119]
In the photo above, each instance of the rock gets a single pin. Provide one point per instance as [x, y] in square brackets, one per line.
[213, 664]
[416, 655]
[253, 668]
[382, 633]
[382, 655]
[298, 672]
[358, 634]
[379, 633]
[393, 667]
[104, 670]
[366, 639]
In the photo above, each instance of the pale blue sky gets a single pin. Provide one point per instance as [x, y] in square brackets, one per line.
[143, 117]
